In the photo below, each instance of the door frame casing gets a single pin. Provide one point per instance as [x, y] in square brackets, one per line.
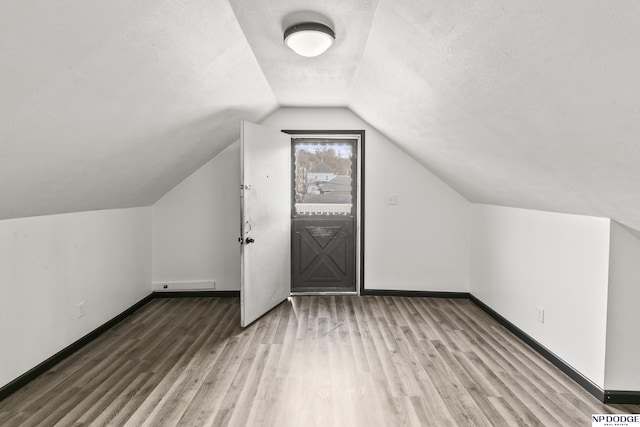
[360, 168]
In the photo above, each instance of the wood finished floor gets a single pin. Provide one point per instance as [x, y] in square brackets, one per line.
[312, 361]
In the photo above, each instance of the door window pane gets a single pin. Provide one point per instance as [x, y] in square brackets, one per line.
[323, 178]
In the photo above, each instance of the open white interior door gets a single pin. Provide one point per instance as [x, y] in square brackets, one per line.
[265, 157]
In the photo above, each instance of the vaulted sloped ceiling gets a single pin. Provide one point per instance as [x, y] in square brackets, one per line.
[107, 104]
[528, 104]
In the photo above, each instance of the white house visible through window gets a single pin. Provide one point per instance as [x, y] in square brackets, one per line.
[322, 180]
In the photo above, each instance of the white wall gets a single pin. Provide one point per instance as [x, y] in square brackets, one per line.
[420, 244]
[196, 226]
[622, 362]
[48, 264]
[522, 259]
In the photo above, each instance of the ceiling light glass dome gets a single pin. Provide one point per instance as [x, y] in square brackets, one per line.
[309, 39]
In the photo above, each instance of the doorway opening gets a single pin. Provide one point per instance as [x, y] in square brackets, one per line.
[326, 212]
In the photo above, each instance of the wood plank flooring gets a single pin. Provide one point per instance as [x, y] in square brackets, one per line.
[312, 361]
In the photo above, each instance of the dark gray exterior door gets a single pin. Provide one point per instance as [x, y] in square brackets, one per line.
[323, 254]
[324, 212]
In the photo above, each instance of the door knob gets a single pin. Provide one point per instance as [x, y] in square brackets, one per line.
[249, 240]
[240, 240]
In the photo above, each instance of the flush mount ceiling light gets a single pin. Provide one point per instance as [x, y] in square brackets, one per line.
[309, 38]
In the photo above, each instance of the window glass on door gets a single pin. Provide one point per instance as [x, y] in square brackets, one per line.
[323, 178]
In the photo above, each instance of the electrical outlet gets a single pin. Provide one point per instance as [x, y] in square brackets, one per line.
[392, 200]
[540, 314]
[80, 311]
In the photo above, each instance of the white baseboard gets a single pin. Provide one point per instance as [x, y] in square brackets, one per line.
[201, 285]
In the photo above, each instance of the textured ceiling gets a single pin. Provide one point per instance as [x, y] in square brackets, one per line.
[109, 104]
[526, 104]
[325, 80]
